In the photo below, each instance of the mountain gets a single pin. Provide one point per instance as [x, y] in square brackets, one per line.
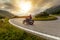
[54, 9]
[6, 14]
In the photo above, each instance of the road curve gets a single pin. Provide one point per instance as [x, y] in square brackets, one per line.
[46, 28]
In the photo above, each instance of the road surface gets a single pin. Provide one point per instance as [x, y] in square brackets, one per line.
[46, 27]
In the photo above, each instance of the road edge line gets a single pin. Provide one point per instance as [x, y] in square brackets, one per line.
[50, 36]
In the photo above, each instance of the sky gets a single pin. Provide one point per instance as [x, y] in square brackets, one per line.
[38, 5]
[35, 2]
[41, 2]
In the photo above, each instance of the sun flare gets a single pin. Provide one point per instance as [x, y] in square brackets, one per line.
[25, 6]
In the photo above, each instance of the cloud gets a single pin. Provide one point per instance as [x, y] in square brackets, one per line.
[43, 2]
[56, 2]
[38, 5]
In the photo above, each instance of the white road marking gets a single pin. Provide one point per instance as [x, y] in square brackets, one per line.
[50, 36]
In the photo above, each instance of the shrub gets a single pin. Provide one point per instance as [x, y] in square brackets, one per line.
[45, 18]
[42, 14]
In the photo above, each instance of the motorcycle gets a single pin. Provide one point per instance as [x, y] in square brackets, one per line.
[28, 22]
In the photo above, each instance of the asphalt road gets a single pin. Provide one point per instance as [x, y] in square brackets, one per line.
[46, 27]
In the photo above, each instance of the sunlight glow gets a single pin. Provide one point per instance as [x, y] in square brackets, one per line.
[25, 6]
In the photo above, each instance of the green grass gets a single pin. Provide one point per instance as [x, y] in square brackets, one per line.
[10, 32]
[49, 18]
[56, 14]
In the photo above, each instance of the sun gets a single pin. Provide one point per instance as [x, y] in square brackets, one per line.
[25, 6]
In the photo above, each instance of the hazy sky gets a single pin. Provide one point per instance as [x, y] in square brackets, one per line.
[38, 5]
[37, 1]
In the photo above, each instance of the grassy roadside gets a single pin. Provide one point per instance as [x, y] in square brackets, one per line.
[49, 18]
[56, 14]
[10, 32]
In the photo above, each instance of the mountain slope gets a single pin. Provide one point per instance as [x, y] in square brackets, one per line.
[6, 14]
[55, 9]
